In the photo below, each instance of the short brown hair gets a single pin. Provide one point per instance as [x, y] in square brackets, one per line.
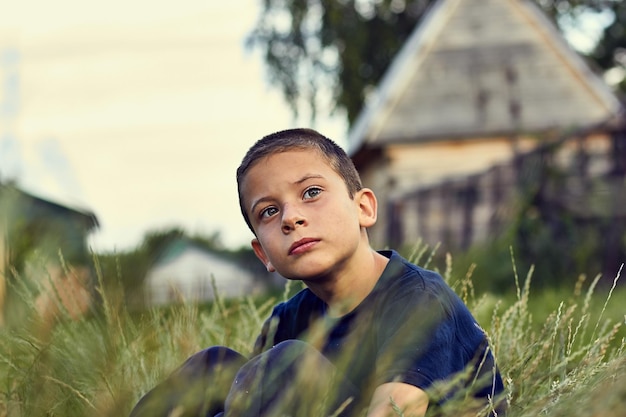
[287, 140]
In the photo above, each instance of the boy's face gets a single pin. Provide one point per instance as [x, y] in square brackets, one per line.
[305, 222]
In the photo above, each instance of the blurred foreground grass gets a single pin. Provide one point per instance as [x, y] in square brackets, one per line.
[561, 353]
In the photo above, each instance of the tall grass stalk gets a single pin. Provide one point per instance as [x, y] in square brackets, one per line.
[571, 363]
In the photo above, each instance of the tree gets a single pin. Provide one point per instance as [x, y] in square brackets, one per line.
[343, 47]
[610, 53]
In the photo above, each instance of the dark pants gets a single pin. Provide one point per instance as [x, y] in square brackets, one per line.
[292, 378]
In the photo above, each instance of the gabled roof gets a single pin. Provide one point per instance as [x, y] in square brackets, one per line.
[178, 247]
[482, 68]
[31, 206]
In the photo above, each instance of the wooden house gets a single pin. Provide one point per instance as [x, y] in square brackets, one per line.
[36, 237]
[478, 88]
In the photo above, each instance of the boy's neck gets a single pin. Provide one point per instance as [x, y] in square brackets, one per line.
[347, 289]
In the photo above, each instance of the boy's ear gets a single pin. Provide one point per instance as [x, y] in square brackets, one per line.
[368, 207]
[260, 253]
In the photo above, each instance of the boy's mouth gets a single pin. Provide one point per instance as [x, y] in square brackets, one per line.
[302, 245]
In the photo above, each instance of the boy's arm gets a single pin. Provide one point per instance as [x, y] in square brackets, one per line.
[409, 399]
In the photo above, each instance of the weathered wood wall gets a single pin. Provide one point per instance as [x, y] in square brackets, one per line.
[582, 174]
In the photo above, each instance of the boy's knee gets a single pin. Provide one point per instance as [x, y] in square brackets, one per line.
[199, 386]
[212, 359]
[294, 347]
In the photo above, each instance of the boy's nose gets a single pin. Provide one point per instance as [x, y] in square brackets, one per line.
[290, 224]
[292, 219]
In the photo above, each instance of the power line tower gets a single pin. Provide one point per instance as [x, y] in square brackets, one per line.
[10, 152]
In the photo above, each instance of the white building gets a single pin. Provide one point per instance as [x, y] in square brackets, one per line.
[187, 272]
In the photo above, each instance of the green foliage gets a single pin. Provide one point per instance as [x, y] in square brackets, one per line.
[561, 353]
[345, 47]
[339, 46]
[610, 50]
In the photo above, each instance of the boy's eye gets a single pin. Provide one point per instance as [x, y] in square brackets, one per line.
[268, 212]
[312, 192]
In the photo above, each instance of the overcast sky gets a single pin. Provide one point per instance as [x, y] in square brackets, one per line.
[139, 111]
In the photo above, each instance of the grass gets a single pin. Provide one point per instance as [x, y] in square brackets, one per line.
[561, 353]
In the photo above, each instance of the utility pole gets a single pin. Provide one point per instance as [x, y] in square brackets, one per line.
[10, 155]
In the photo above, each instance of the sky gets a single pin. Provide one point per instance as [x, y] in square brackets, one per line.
[139, 111]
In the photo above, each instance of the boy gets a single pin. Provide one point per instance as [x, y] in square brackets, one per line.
[370, 333]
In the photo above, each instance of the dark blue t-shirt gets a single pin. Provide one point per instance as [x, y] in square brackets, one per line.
[411, 328]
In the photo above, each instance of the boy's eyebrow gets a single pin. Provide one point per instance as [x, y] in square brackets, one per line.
[308, 177]
[297, 182]
[259, 201]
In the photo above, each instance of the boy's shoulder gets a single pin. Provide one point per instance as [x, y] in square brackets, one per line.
[399, 268]
[403, 279]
